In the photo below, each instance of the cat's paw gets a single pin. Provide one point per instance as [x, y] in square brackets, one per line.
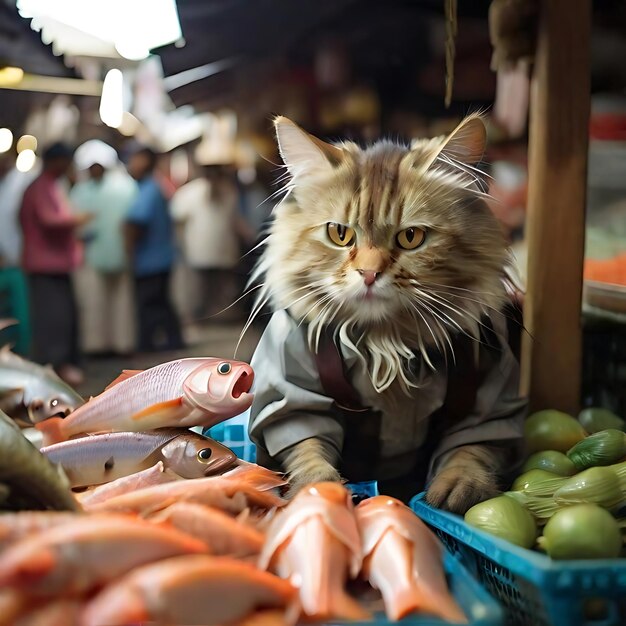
[321, 475]
[459, 488]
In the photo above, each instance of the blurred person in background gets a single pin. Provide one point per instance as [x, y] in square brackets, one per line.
[51, 252]
[213, 230]
[13, 290]
[150, 246]
[104, 285]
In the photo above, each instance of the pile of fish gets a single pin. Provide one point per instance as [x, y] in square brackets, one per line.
[125, 516]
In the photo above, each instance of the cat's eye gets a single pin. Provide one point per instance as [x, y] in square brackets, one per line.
[410, 238]
[340, 234]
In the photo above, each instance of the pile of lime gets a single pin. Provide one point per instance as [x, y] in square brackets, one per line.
[571, 493]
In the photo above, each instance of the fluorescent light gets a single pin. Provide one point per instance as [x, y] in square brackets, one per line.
[25, 160]
[134, 27]
[11, 75]
[6, 139]
[130, 124]
[112, 99]
[26, 142]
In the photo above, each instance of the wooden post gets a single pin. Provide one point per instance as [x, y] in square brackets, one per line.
[555, 228]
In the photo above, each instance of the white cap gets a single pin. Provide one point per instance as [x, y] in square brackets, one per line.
[95, 152]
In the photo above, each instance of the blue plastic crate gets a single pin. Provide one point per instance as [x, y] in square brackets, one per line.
[534, 589]
[479, 607]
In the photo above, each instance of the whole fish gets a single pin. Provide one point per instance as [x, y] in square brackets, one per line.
[223, 534]
[80, 556]
[156, 475]
[28, 479]
[15, 526]
[231, 496]
[315, 543]
[403, 560]
[98, 459]
[182, 393]
[30, 393]
[192, 590]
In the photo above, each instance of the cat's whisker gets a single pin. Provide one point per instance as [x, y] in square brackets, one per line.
[444, 332]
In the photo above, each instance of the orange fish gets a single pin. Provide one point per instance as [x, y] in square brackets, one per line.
[81, 555]
[256, 476]
[15, 526]
[155, 475]
[231, 496]
[188, 590]
[314, 542]
[222, 534]
[403, 560]
[181, 393]
[63, 612]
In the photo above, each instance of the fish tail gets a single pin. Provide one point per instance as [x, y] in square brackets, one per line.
[52, 429]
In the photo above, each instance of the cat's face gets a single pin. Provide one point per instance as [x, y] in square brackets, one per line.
[384, 234]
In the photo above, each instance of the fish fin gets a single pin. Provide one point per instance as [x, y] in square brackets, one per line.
[11, 392]
[161, 410]
[52, 429]
[125, 375]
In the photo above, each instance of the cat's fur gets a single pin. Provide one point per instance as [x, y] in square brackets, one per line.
[420, 297]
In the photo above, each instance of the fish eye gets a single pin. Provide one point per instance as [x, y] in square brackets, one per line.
[204, 455]
[54, 403]
[410, 238]
[340, 234]
[224, 368]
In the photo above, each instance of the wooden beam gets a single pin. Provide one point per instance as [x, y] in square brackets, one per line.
[555, 230]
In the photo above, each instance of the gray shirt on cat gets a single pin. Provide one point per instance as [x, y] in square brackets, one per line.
[290, 404]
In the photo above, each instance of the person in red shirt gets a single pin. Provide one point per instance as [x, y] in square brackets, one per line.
[51, 252]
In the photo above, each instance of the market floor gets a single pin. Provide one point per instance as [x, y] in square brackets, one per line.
[215, 339]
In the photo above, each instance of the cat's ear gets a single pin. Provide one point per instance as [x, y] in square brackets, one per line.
[465, 144]
[302, 152]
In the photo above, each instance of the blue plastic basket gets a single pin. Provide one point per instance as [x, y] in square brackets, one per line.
[534, 589]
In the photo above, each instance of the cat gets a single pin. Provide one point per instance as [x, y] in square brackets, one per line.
[391, 251]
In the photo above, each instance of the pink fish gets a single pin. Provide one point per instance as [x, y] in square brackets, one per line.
[231, 496]
[222, 534]
[256, 476]
[403, 560]
[182, 393]
[15, 526]
[314, 542]
[63, 612]
[79, 556]
[190, 590]
[155, 475]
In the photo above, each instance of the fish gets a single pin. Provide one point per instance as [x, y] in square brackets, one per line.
[227, 495]
[15, 526]
[403, 560]
[98, 459]
[77, 557]
[189, 590]
[314, 542]
[182, 393]
[29, 480]
[156, 475]
[62, 612]
[256, 476]
[222, 534]
[31, 393]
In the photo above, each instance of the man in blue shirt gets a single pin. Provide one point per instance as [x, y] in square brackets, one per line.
[150, 240]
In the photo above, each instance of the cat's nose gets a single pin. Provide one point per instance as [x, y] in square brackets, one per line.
[369, 276]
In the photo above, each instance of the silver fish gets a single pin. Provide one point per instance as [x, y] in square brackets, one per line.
[30, 393]
[98, 459]
[29, 480]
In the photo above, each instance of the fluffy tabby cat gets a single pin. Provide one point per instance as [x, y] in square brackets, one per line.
[392, 249]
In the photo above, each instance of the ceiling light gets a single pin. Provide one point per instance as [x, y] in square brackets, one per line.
[6, 139]
[10, 75]
[25, 160]
[112, 99]
[26, 142]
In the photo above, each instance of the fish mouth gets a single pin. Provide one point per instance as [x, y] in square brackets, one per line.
[242, 385]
